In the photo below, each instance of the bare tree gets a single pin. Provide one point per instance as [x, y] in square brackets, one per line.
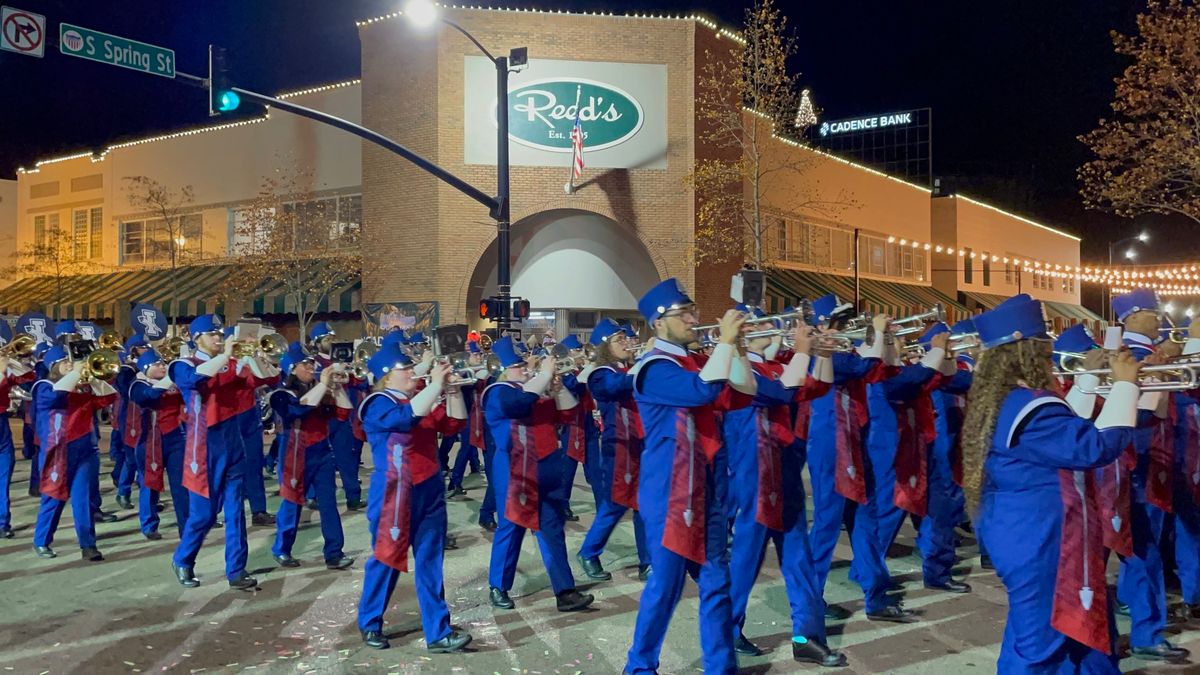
[167, 206]
[746, 101]
[52, 254]
[291, 236]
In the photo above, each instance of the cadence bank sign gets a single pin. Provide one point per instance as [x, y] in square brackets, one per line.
[865, 123]
[621, 108]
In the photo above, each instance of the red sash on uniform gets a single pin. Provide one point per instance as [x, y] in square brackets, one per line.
[1081, 593]
[1162, 455]
[1191, 451]
[916, 427]
[1114, 496]
[532, 442]
[476, 415]
[391, 539]
[133, 421]
[195, 458]
[772, 432]
[627, 454]
[153, 469]
[577, 429]
[849, 480]
[54, 483]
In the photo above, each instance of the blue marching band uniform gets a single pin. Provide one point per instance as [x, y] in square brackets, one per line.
[703, 444]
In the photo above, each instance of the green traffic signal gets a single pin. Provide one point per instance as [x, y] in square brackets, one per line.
[229, 101]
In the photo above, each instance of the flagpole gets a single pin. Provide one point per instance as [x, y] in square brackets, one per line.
[571, 166]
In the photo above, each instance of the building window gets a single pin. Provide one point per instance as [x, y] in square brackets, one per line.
[321, 221]
[79, 235]
[149, 241]
[96, 239]
[43, 226]
[987, 269]
[968, 268]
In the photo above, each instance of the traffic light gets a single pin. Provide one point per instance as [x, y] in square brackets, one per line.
[489, 308]
[221, 96]
[520, 309]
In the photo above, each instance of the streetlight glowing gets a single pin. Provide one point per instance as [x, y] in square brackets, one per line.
[422, 13]
[1130, 254]
[1191, 311]
[1144, 237]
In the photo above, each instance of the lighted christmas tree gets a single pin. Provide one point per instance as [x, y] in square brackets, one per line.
[806, 114]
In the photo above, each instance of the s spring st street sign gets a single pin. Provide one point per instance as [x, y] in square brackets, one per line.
[115, 51]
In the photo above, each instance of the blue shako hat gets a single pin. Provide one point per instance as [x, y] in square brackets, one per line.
[664, 297]
[571, 342]
[827, 306]
[936, 329]
[295, 354]
[147, 359]
[386, 360]
[205, 323]
[320, 330]
[1075, 339]
[504, 350]
[1011, 321]
[604, 330]
[1137, 300]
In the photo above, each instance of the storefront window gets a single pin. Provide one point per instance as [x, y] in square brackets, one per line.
[968, 268]
[149, 241]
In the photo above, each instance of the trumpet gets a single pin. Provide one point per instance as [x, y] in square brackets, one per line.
[271, 345]
[485, 342]
[962, 342]
[936, 314]
[362, 353]
[461, 372]
[1174, 335]
[1070, 362]
[22, 347]
[1185, 373]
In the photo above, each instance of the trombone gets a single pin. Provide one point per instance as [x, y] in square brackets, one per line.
[23, 346]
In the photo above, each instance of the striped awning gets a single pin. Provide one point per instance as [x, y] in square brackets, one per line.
[1063, 313]
[879, 297]
[198, 289]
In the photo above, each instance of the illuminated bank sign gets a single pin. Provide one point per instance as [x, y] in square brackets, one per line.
[865, 123]
[622, 113]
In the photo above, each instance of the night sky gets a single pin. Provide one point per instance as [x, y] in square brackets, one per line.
[1011, 83]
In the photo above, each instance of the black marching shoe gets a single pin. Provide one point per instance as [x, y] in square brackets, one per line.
[375, 639]
[1122, 608]
[1186, 612]
[311, 505]
[1163, 651]
[450, 543]
[593, 569]
[286, 561]
[455, 492]
[152, 536]
[105, 517]
[339, 564]
[262, 518]
[489, 525]
[356, 505]
[985, 562]
[34, 491]
[500, 599]
[573, 600]
[7, 533]
[453, 642]
[893, 613]
[91, 554]
[245, 582]
[951, 586]
[569, 515]
[836, 613]
[44, 552]
[745, 647]
[124, 502]
[159, 507]
[812, 651]
[643, 572]
[184, 575]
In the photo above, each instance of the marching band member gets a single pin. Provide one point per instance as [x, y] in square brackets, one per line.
[65, 411]
[154, 424]
[304, 406]
[681, 484]
[528, 473]
[122, 443]
[32, 446]
[407, 506]
[615, 479]
[12, 374]
[1026, 462]
[756, 436]
[837, 463]
[1187, 487]
[580, 439]
[468, 451]
[212, 471]
[341, 435]
[1140, 585]
[257, 373]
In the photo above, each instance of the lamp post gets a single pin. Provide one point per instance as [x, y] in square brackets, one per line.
[423, 13]
[1142, 237]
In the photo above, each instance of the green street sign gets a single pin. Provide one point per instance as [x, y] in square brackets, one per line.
[115, 51]
[542, 113]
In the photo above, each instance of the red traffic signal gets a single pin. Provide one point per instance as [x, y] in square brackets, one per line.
[489, 308]
[520, 309]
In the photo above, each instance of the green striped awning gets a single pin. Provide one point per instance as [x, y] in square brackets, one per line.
[895, 299]
[198, 289]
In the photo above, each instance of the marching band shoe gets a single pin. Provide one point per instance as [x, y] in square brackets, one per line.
[286, 561]
[1163, 651]
[745, 647]
[569, 516]
[7, 533]
[262, 518]
[450, 544]
[339, 564]
[573, 600]
[311, 505]
[91, 554]
[185, 576]
[489, 525]
[951, 586]
[500, 599]
[356, 505]
[44, 552]
[1122, 608]
[375, 639]
[1187, 612]
[159, 507]
[643, 572]
[125, 502]
[814, 651]
[455, 492]
[453, 642]
[985, 562]
[105, 517]
[34, 491]
[836, 613]
[245, 582]
[593, 569]
[894, 614]
[152, 536]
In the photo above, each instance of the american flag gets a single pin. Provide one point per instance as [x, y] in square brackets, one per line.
[577, 147]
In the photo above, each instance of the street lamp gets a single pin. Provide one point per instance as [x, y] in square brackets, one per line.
[423, 14]
[1131, 253]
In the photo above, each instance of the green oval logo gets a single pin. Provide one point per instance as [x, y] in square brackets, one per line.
[542, 113]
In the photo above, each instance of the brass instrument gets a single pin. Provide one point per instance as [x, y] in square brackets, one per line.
[461, 372]
[485, 342]
[22, 346]
[936, 314]
[963, 342]
[1174, 334]
[271, 345]
[100, 364]
[363, 353]
[1186, 374]
[111, 339]
[1070, 362]
[171, 348]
